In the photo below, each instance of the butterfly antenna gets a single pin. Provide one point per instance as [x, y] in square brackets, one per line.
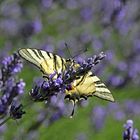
[80, 52]
[67, 46]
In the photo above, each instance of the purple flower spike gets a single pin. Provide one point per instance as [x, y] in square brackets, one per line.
[7, 61]
[98, 117]
[10, 87]
[16, 111]
[130, 133]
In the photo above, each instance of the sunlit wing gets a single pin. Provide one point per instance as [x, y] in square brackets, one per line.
[47, 62]
[89, 85]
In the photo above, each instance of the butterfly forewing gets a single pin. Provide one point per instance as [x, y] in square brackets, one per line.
[46, 61]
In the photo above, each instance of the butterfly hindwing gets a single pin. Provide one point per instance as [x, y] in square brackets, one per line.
[89, 85]
[101, 90]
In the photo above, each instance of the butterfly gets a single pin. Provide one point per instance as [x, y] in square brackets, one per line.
[87, 85]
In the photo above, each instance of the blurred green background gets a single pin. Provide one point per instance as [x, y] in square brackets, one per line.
[100, 25]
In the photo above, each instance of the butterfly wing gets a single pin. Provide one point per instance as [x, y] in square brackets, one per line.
[86, 86]
[101, 90]
[47, 62]
[89, 85]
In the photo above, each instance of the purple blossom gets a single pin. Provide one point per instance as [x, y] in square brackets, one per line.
[134, 69]
[2, 107]
[71, 4]
[110, 55]
[47, 3]
[85, 37]
[98, 117]
[136, 45]
[59, 81]
[10, 66]
[57, 115]
[10, 9]
[86, 13]
[9, 27]
[116, 81]
[30, 28]
[130, 133]
[119, 115]
[44, 91]
[16, 111]
[97, 45]
[20, 86]
[10, 86]
[122, 66]
[7, 61]
[48, 47]
[37, 25]
[119, 112]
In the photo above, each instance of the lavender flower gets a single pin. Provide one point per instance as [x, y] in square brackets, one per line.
[10, 86]
[130, 132]
[20, 86]
[98, 117]
[31, 28]
[16, 111]
[118, 112]
[47, 89]
[10, 66]
[89, 64]
[86, 13]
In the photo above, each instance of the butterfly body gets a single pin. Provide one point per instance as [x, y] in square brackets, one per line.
[87, 84]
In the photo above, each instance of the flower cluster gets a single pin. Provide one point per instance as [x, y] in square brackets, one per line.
[130, 132]
[10, 86]
[118, 112]
[45, 89]
[89, 64]
[16, 111]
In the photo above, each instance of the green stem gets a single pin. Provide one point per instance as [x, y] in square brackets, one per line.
[8, 118]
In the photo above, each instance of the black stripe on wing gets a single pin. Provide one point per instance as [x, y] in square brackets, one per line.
[43, 57]
[24, 53]
[54, 62]
[48, 54]
[82, 80]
